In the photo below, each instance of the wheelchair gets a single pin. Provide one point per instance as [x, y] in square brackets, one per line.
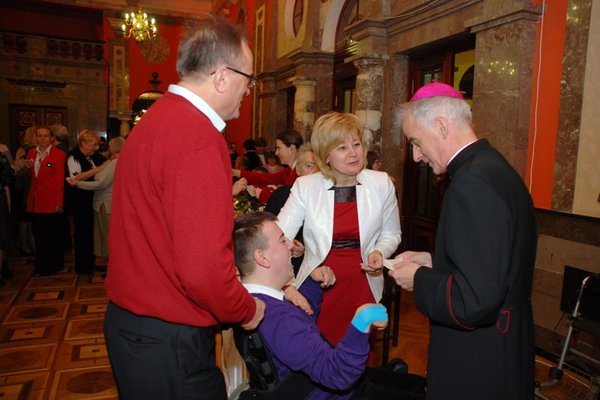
[390, 382]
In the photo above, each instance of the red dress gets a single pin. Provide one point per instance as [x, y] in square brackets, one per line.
[351, 288]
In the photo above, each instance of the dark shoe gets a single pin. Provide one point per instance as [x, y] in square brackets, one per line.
[85, 272]
[397, 366]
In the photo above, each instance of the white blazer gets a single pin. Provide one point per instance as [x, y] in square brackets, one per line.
[311, 203]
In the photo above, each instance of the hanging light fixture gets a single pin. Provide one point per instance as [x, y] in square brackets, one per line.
[138, 26]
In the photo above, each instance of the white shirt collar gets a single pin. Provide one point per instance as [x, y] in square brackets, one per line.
[42, 153]
[459, 150]
[200, 104]
[254, 288]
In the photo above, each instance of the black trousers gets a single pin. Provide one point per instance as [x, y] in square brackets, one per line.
[83, 238]
[154, 359]
[49, 253]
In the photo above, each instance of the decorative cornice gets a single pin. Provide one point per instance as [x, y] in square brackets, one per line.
[37, 83]
[479, 24]
[312, 58]
[421, 15]
[367, 28]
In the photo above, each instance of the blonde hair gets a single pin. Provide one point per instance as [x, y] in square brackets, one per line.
[115, 144]
[329, 131]
[29, 135]
[88, 135]
[59, 129]
[302, 150]
[303, 153]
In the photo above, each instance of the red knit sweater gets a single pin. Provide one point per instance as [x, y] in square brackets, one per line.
[172, 220]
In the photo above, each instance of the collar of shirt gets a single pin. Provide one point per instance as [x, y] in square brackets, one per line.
[254, 288]
[42, 154]
[459, 150]
[200, 104]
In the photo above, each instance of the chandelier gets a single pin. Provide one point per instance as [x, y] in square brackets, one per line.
[138, 26]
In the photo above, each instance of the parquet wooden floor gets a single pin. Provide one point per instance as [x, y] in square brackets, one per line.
[51, 336]
[52, 343]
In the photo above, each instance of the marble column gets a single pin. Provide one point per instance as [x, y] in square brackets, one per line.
[504, 63]
[368, 98]
[124, 123]
[118, 103]
[572, 86]
[267, 116]
[304, 105]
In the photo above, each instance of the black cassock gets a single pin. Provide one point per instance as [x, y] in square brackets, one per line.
[478, 293]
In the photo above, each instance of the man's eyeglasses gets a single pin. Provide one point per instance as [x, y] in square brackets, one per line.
[251, 78]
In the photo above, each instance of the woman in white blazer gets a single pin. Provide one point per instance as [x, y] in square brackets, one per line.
[350, 218]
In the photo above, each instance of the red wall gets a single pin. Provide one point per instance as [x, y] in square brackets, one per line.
[544, 128]
[240, 129]
[140, 71]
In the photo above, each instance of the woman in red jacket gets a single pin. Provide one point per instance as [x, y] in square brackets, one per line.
[46, 166]
[287, 145]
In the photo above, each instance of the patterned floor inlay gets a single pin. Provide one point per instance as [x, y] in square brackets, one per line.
[46, 295]
[85, 329]
[96, 281]
[51, 336]
[91, 293]
[23, 359]
[60, 281]
[31, 334]
[7, 297]
[15, 283]
[29, 386]
[84, 383]
[87, 310]
[81, 353]
[45, 312]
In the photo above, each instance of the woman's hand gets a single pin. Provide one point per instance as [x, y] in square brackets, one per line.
[297, 248]
[253, 191]
[72, 181]
[297, 299]
[323, 274]
[374, 263]
[239, 186]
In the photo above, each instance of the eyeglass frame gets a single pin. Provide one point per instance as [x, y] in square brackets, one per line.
[252, 79]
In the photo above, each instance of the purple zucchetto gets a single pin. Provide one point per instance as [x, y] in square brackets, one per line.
[435, 89]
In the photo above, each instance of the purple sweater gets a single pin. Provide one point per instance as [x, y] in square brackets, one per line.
[296, 345]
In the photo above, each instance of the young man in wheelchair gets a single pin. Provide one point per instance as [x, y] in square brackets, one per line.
[299, 357]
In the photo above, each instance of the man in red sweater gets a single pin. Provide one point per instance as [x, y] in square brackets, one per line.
[171, 275]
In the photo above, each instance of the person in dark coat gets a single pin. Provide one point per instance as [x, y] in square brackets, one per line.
[250, 154]
[476, 290]
[79, 202]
